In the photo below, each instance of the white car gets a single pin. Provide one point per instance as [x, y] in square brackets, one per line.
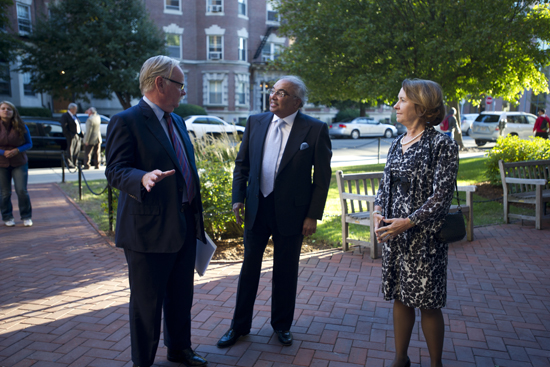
[489, 126]
[201, 125]
[361, 127]
[467, 120]
[82, 117]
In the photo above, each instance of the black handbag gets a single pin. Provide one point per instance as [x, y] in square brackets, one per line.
[453, 228]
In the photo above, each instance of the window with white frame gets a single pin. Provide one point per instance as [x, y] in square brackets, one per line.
[173, 45]
[272, 14]
[24, 18]
[242, 7]
[215, 92]
[215, 47]
[242, 49]
[241, 89]
[271, 51]
[214, 6]
[173, 5]
[5, 88]
[184, 99]
[27, 86]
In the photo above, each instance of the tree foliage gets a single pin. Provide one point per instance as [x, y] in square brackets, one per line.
[92, 47]
[363, 49]
[8, 43]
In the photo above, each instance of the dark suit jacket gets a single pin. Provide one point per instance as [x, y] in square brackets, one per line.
[69, 125]
[299, 193]
[149, 221]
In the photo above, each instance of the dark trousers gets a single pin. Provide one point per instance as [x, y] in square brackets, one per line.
[74, 144]
[285, 271]
[161, 282]
[542, 135]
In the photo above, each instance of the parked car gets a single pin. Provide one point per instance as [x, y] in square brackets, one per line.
[47, 138]
[488, 126]
[467, 120]
[360, 127]
[200, 125]
[82, 117]
[401, 129]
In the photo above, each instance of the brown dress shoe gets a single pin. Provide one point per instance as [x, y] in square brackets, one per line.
[186, 356]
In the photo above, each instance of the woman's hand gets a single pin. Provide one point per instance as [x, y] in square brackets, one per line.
[395, 227]
[11, 153]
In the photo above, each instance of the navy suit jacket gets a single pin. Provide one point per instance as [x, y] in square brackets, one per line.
[149, 221]
[299, 192]
[68, 124]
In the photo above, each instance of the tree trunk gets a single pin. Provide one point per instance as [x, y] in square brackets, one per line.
[124, 100]
[362, 109]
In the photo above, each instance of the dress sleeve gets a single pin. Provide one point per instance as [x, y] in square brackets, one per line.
[445, 173]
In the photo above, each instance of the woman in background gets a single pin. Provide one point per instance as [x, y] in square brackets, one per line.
[413, 199]
[15, 139]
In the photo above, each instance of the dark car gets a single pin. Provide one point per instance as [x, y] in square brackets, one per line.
[47, 138]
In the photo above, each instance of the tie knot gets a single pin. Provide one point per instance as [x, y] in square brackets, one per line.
[281, 122]
[167, 116]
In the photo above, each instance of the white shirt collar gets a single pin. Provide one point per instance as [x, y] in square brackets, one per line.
[289, 119]
[156, 109]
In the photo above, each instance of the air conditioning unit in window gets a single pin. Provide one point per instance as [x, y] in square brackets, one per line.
[215, 55]
[215, 8]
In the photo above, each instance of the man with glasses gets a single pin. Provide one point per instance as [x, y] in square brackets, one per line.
[150, 159]
[284, 198]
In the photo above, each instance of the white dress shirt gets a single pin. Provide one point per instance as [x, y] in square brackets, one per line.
[285, 130]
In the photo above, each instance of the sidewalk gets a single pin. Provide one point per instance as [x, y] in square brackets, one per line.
[64, 294]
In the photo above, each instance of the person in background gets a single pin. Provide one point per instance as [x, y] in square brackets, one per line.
[541, 125]
[92, 138]
[413, 199]
[15, 139]
[72, 132]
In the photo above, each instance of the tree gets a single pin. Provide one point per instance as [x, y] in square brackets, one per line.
[8, 43]
[91, 47]
[363, 49]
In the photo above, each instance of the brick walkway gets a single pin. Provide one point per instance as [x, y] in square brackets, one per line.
[64, 294]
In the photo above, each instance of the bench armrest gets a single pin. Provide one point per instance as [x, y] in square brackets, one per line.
[369, 198]
[469, 188]
[527, 181]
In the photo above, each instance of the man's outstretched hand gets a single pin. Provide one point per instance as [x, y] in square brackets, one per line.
[151, 178]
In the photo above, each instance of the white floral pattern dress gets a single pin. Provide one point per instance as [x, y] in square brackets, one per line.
[418, 184]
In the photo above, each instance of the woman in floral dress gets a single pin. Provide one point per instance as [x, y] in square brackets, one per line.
[413, 198]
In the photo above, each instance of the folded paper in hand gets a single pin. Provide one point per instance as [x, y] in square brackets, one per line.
[205, 251]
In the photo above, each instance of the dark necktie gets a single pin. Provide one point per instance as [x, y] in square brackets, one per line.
[184, 165]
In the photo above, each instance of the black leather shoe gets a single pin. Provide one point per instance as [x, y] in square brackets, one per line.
[229, 338]
[186, 356]
[285, 337]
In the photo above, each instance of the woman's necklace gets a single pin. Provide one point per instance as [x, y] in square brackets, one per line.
[413, 139]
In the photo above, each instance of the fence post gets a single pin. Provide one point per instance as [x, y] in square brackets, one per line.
[110, 203]
[62, 167]
[79, 181]
[379, 139]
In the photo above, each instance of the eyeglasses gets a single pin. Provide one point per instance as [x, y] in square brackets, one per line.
[182, 86]
[280, 93]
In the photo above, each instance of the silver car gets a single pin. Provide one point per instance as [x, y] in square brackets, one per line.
[488, 126]
[467, 121]
[201, 125]
[360, 127]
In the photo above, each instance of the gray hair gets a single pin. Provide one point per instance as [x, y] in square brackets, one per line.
[72, 105]
[155, 66]
[93, 110]
[301, 89]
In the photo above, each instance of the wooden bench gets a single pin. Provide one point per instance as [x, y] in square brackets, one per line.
[357, 194]
[527, 183]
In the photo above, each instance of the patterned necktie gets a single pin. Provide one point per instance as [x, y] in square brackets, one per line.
[184, 165]
[271, 156]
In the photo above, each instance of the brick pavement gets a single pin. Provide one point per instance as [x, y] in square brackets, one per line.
[64, 294]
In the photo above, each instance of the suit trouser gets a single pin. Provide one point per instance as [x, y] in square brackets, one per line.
[73, 148]
[92, 151]
[286, 260]
[161, 282]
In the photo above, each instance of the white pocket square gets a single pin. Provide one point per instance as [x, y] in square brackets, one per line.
[304, 146]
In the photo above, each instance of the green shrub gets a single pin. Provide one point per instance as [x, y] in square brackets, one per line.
[347, 114]
[34, 111]
[215, 159]
[185, 110]
[514, 149]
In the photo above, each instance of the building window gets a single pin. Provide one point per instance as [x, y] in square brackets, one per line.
[215, 49]
[242, 7]
[214, 6]
[240, 96]
[5, 79]
[270, 51]
[272, 14]
[27, 86]
[242, 49]
[172, 5]
[24, 18]
[173, 45]
[215, 92]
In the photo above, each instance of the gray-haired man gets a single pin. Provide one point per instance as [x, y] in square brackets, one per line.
[72, 132]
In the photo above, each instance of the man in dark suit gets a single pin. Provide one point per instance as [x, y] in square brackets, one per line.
[72, 132]
[284, 199]
[150, 159]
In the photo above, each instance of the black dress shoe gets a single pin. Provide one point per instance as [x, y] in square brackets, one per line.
[186, 356]
[285, 337]
[229, 338]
